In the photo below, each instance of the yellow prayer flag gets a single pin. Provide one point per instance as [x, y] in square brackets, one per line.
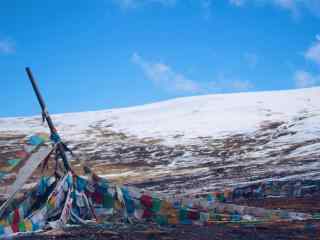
[28, 225]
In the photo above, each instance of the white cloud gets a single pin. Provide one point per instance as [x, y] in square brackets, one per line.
[290, 5]
[313, 53]
[164, 76]
[7, 46]
[293, 6]
[308, 79]
[305, 79]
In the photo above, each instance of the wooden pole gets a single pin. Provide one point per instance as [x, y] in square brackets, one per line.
[46, 116]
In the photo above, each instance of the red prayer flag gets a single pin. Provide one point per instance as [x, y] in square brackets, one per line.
[147, 214]
[16, 216]
[146, 201]
[15, 227]
[193, 215]
[22, 154]
[97, 197]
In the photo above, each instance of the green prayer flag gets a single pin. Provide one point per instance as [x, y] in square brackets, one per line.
[156, 204]
[108, 201]
[161, 220]
[2, 174]
[183, 214]
[316, 216]
[14, 162]
[22, 227]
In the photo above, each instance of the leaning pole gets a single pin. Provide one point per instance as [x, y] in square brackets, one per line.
[61, 147]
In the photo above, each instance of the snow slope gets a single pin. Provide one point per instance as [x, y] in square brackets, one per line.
[219, 140]
[209, 115]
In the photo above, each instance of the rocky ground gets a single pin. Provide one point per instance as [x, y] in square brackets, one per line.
[279, 231]
[196, 168]
[203, 165]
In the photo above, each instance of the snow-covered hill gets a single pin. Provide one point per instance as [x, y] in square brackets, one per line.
[193, 143]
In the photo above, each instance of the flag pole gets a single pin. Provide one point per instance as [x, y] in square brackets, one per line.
[61, 147]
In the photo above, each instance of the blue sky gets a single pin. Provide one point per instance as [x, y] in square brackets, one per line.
[99, 54]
